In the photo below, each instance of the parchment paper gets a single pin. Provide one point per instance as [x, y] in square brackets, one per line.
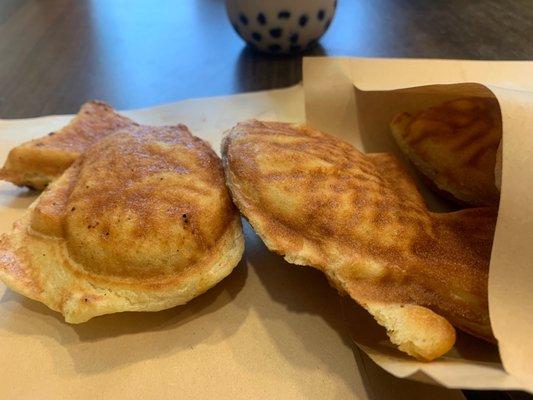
[268, 331]
[355, 99]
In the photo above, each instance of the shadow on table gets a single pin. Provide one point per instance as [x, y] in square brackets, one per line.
[255, 70]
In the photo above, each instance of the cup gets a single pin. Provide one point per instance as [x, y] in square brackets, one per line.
[281, 26]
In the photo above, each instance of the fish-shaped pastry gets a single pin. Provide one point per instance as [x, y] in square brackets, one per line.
[38, 162]
[454, 145]
[358, 218]
[141, 221]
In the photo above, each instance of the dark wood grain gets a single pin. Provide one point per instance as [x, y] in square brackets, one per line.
[55, 54]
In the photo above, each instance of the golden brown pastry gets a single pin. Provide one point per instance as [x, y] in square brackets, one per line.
[358, 218]
[454, 145]
[38, 162]
[142, 221]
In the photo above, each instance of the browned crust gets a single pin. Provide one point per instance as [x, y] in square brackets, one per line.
[319, 202]
[38, 162]
[178, 233]
[454, 145]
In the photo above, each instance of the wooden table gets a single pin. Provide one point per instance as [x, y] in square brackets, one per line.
[55, 54]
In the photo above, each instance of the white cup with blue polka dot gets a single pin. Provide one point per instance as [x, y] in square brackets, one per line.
[281, 26]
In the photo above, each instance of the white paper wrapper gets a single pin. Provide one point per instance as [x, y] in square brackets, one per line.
[355, 99]
[268, 331]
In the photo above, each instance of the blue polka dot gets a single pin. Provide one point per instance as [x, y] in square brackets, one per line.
[243, 18]
[276, 32]
[303, 20]
[294, 38]
[321, 14]
[256, 36]
[284, 15]
[261, 19]
[274, 48]
[312, 43]
[295, 48]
